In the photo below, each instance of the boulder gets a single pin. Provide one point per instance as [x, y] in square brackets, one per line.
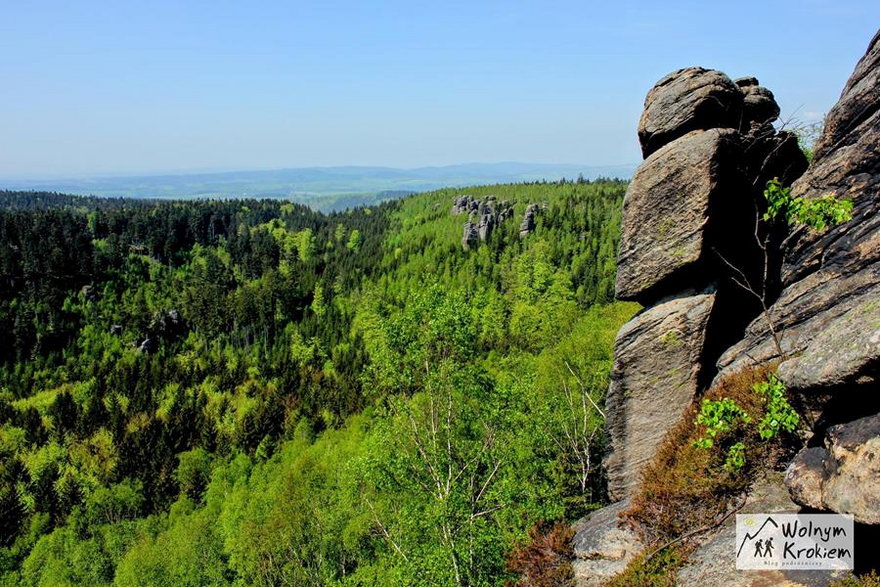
[744, 82]
[656, 374]
[685, 100]
[667, 234]
[759, 105]
[828, 325]
[805, 477]
[844, 475]
[603, 545]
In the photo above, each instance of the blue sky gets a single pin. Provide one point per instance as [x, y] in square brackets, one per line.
[139, 87]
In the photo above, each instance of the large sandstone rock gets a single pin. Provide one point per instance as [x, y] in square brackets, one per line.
[844, 476]
[603, 546]
[829, 328]
[527, 226]
[689, 99]
[667, 233]
[828, 315]
[657, 368]
[470, 237]
[805, 477]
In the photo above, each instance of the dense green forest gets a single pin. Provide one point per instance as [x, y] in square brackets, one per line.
[251, 392]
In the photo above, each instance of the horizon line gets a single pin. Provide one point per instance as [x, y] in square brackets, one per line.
[79, 176]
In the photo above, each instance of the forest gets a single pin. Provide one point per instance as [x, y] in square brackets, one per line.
[250, 392]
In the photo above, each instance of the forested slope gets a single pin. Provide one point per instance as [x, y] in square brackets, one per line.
[251, 392]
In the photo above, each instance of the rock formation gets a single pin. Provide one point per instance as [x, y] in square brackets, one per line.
[689, 99]
[484, 216]
[688, 217]
[656, 370]
[828, 310]
[759, 104]
[602, 548]
[471, 236]
[689, 226]
[667, 238]
[528, 222]
[844, 474]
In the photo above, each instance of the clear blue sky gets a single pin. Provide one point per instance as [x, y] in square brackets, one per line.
[131, 87]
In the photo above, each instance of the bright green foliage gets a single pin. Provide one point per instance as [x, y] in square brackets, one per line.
[736, 457]
[250, 392]
[816, 213]
[719, 416]
[779, 414]
[726, 420]
[354, 240]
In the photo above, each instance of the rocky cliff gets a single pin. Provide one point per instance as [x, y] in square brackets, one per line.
[689, 220]
[724, 291]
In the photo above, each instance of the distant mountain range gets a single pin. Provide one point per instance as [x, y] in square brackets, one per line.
[324, 188]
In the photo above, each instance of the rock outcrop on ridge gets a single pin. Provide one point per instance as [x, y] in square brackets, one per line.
[484, 216]
[689, 228]
[688, 217]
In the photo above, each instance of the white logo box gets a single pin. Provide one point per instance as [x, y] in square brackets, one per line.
[794, 541]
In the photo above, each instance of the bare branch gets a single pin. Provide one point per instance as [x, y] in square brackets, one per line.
[385, 530]
[586, 394]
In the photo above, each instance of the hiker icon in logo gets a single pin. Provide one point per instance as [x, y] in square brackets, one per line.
[764, 548]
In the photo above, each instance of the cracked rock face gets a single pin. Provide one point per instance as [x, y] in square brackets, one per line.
[655, 377]
[828, 313]
[666, 234]
[842, 476]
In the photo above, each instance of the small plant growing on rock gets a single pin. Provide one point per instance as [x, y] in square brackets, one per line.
[718, 416]
[779, 415]
[736, 457]
[725, 416]
[712, 455]
[816, 213]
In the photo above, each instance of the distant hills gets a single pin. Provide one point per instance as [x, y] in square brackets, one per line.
[324, 188]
